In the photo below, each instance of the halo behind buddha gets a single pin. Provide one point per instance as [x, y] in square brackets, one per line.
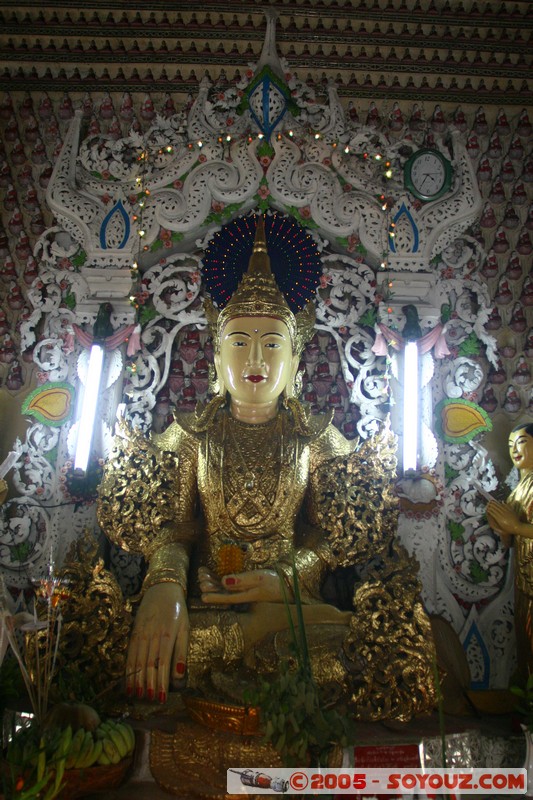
[258, 294]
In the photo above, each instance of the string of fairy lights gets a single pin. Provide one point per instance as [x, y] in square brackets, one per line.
[228, 263]
[295, 257]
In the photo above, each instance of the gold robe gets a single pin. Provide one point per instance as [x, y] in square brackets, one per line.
[521, 501]
[222, 491]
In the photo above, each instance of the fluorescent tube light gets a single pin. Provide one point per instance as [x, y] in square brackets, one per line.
[88, 411]
[410, 406]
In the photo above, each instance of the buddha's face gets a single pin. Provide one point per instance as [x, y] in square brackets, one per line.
[255, 361]
[521, 450]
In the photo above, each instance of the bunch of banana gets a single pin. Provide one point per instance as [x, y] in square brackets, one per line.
[84, 750]
[118, 741]
[109, 744]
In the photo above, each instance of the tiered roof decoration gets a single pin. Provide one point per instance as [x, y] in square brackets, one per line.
[404, 49]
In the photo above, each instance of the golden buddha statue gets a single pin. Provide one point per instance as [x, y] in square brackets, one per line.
[228, 501]
[514, 521]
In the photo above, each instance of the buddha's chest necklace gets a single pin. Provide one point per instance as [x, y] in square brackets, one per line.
[252, 459]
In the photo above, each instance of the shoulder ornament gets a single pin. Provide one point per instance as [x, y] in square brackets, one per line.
[355, 502]
[139, 496]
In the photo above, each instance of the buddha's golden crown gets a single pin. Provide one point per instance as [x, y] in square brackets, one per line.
[258, 295]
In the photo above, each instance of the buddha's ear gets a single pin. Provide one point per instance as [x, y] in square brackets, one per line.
[294, 386]
[216, 384]
[294, 365]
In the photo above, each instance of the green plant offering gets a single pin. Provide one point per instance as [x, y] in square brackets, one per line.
[524, 705]
[296, 721]
[36, 763]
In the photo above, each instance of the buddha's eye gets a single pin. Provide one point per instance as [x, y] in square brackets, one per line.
[238, 344]
[272, 345]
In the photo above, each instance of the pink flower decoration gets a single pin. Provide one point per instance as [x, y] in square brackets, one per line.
[217, 206]
[178, 184]
[305, 212]
[106, 174]
[353, 241]
[230, 121]
[195, 277]
[326, 162]
[202, 158]
[263, 192]
[347, 187]
[265, 161]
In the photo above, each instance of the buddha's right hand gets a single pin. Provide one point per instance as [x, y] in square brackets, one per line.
[158, 646]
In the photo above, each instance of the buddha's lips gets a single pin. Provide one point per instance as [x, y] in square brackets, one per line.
[255, 378]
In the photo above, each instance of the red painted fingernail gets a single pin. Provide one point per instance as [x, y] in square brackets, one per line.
[140, 691]
[230, 581]
[180, 668]
[150, 693]
[162, 696]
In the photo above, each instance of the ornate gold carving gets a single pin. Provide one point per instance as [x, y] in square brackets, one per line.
[355, 503]
[252, 460]
[389, 650]
[223, 716]
[192, 762]
[96, 619]
[146, 492]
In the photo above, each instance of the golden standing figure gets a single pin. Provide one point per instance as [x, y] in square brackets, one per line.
[221, 502]
[514, 520]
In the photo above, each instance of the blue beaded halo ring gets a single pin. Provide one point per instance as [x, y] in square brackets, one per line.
[294, 257]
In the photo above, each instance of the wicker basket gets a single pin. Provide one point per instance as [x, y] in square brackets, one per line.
[84, 782]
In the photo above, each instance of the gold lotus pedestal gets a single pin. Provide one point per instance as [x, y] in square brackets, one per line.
[194, 759]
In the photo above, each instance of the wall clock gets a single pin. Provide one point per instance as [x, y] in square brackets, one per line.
[428, 175]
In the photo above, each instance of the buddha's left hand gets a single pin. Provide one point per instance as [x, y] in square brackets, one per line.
[241, 587]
